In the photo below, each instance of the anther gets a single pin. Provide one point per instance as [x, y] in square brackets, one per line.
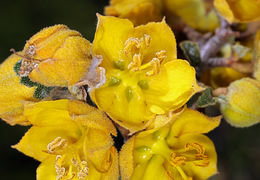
[136, 63]
[57, 143]
[61, 171]
[147, 40]
[196, 146]
[83, 170]
[31, 50]
[177, 160]
[161, 55]
[130, 43]
[155, 63]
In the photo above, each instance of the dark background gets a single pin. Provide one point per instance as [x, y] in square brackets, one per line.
[238, 149]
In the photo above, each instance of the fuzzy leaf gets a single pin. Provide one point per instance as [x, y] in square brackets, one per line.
[206, 98]
[42, 91]
[191, 51]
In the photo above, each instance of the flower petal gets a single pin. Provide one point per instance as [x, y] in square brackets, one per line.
[126, 159]
[159, 32]
[173, 87]
[193, 122]
[109, 38]
[34, 143]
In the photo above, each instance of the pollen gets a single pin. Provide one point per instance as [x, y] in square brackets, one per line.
[56, 144]
[201, 159]
[83, 170]
[131, 43]
[61, 171]
[196, 146]
[136, 63]
[31, 51]
[177, 160]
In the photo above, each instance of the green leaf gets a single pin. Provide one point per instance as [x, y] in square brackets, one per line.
[42, 91]
[191, 51]
[17, 67]
[206, 99]
[27, 82]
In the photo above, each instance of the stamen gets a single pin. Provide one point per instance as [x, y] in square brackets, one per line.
[61, 171]
[56, 144]
[147, 40]
[177, 160]
[161, 55]
[136, 63]
[130, 43]
[83, 170]
[31, 50]
[155, 63]
[201, 159]
[196, 146]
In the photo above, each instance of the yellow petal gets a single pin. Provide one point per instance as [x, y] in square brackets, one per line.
[126, 159]
[173, 87]
[34, 143]
[91, 117]
[108, 38]
[193, 122]
[98, 144]
[46, 169]
[138, 11]
[194, 13]
[12, 93]
[239, 10]
[159, 32]
[155, 169]
[243, 102]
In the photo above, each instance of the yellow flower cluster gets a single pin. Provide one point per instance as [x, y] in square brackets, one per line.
[137, 85]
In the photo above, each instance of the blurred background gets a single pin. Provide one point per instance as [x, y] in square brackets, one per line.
[238, 149]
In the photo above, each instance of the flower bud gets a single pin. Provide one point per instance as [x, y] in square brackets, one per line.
[241, 108]
[56, 56]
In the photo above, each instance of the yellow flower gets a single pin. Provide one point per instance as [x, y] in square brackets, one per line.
[13, 93]
[239, 10]
[56, 56]
[144, 76]
[176, 151]
[241, 107]
[71, 139]
[196, 13]
[138, 11]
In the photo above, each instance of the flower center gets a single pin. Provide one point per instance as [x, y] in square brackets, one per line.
[68, 164]
[75, 168]
[134, 48]
[180, 158]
